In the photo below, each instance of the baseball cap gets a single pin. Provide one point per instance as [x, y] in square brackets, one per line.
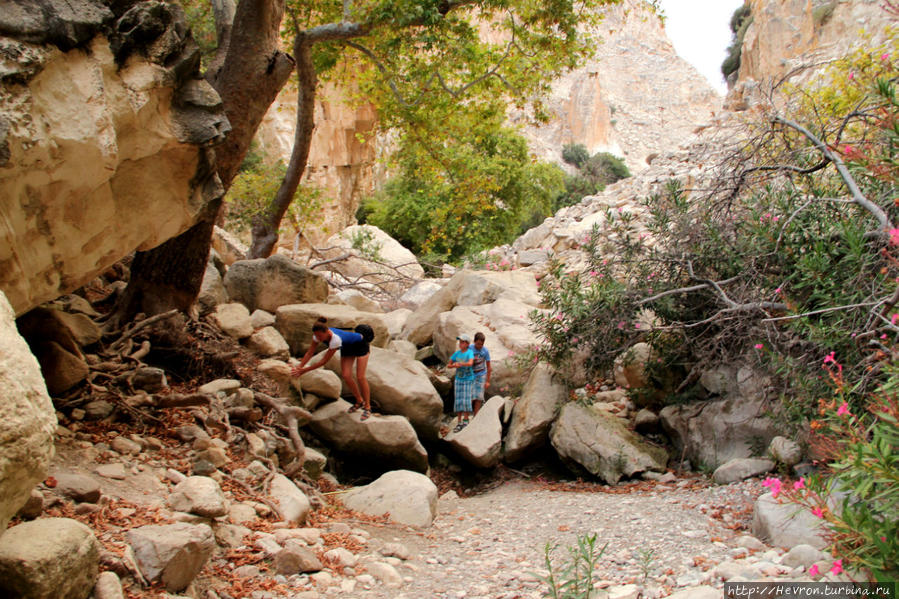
[464, 337]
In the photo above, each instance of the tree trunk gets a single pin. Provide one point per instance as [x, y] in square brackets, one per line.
[266, 225]
[254, 71]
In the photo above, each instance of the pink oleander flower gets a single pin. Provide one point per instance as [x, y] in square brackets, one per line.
[799, 484]
[574, 339]
[774, 485]
[843, 410]
[837, 567]
[813, 571]
[885, 57]
[759, 346]
[593, 273]
[636, 325]
[831, 357]
[778, 290]
[620, 325]
[894, 236]
[884, 336]
[818, 512]
[851, 76]
[894, 318]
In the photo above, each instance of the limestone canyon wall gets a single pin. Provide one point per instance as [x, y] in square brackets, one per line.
[105, 128]
[786, 36]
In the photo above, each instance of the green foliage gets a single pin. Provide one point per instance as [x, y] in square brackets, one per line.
[574, 578]
[364, 241]
[256, 184]
[575, 154]
[477, 197]
[802, 269]
[739, 23]
[604, 169]
[202, 25]
[577, 187]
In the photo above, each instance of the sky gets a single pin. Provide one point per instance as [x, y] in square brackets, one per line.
[700, 32]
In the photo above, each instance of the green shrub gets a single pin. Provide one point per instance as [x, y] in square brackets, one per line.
[575, 154]
[604, 169]
[574, 578]
[577, 187]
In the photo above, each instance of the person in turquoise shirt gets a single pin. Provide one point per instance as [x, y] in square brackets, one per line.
[465, 384]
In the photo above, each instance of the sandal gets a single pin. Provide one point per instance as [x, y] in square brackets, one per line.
[354, 408]
[366, 414]
[460, 426]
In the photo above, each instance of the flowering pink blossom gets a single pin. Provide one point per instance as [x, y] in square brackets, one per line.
[799, 484]
[884, 336]
[813, 571]
[759, 346]
[574, 339]
[837, 566]
[894, 236]
[885, 57]
[831, 357]
[620, 325]
[636, 325]
[818, 512]
[851, 76]
[843, 410]
[778, 290]
[774, 485]
[593, 273]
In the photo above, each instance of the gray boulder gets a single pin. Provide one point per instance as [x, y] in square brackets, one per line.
[533, 414]
[785, 451]
[199, 495]
[409, 497]
[785, 524]
[320, 382]
[212, 290]
[78, 487]
[741, 468]
[171, 553]
[593, 440]
[385, 442]
[293, 505]
[49, 558]
[401, 385]
[233, 319]
[481, 442]
[269, 283]
[27, 418]
[296, 560]
[267, 342]
[712, 432]
[294, 322]
[469, 288]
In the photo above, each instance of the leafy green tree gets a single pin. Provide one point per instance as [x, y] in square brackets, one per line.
[575, 154]
[476, 196]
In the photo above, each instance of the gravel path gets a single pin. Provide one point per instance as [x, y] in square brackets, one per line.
[491, 545]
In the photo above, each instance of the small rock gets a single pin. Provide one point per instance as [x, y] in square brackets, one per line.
[214, 455]
[261, 319]
[48, 557]
[342, 557]
[785, 451]
[201, 467]
[386, 573]
[99, 409]
[174, 476]
[199, 495]
[749, 542]
[33, 506]
[293, 505]
[741, 468]
[802, 555]
[172, 553]
[296, 559]
[248, 571]
[190, 432]
[150, 379]
[125, 446]
[231, 535]
[79, 487]
[239, 513]
[395, 550]
[108, 586]
[115, 471]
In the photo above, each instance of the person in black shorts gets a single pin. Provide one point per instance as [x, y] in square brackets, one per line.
[354, 347]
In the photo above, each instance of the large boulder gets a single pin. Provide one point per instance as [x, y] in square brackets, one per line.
[382, 442]
[400, 385]
[294, 322]
[49, 558]
[267, 342]
[269, 283]
[470, 288]
[785, 524]
[27, 419]
[741, 468]
[171, 553]
[630, 367]
[395, 321]
[212, 290]
[481, 442]
[104, 143]
[367, 246]
[321, 382]
[233, 319]
[533, 413]
[409, 497]
[593, 440]
[711, 433]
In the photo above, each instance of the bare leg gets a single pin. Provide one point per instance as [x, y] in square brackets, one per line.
[361, 366]
[346, 370]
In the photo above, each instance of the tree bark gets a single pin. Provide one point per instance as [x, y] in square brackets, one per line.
[266, 225]
[254, 71]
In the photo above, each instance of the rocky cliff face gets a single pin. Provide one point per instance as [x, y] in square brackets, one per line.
[105, 130]
[636, 98]
[787, 35]
[339, 163]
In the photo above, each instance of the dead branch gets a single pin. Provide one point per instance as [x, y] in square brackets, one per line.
[140, 326]
[175, 400]
[291, 415]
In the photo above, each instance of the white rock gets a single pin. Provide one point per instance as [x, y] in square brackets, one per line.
[293, 505]
[199, 495]
[738, 469]
[409, 498]
[172, 553]
[267, 342]
[233, 320]
[384, 572]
